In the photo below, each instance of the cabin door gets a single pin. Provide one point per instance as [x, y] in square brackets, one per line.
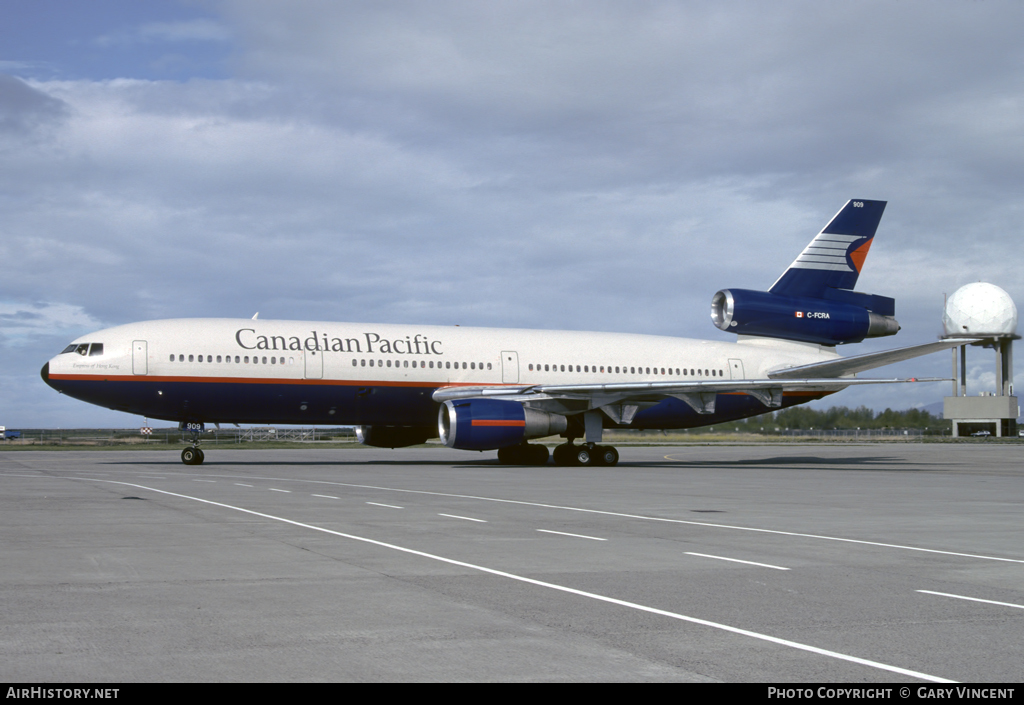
[314, 361]
[736, 369]
[139, 358]
[509, 367]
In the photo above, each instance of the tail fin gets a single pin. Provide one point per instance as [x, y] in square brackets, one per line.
[836, 255]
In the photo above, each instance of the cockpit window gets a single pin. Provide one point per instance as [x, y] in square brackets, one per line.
[83, 349]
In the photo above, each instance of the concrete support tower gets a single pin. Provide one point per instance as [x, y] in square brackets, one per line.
[987, 312]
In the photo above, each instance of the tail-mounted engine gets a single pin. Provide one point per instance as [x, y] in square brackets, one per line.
[486, 424]
[843, 317]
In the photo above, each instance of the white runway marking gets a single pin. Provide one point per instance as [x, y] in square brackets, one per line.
[560, 588]
[973, 599]
[325, 496]
[454, 516]
[665, 520]
[389, 506]
[274, 489]
[198, 480]
[579, 536]
[735, 560]
[241, 485]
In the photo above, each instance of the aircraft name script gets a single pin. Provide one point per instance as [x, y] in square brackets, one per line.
[409, 345]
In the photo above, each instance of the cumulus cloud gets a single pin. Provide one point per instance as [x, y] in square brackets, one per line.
[20, 322]
[24, 108]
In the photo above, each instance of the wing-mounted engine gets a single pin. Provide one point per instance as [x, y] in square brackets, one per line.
[393, 436]
[487, 424]
[841, 317]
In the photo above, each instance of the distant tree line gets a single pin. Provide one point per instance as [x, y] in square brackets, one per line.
[837, 417]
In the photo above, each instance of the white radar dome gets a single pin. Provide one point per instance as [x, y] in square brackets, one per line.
[980, 309]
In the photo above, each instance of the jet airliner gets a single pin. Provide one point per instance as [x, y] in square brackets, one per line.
[497, 389]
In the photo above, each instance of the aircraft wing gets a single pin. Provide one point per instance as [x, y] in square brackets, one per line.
[868, 361]
[621, 400]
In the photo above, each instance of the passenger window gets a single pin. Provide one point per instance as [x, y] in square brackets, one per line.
[488, 365]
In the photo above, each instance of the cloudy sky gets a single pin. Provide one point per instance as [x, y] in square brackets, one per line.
[558, 164]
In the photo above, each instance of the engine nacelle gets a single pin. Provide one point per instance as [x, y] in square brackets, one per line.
[809, 320]
[487, 424]
[393, 436]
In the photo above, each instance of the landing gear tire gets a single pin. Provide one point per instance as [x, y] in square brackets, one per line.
[607, 455]
[585, 456]
[192, 456]
[564, 455]
[524, 454]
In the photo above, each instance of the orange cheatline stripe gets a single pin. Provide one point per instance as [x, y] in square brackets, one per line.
[496, 422]
[269, 380]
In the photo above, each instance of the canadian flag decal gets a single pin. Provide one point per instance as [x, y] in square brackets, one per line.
[799, 314]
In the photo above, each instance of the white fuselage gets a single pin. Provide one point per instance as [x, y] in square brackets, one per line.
[298, 371]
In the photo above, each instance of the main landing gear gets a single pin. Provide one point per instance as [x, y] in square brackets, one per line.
[590, 453]
[587, 454]
[523, 454]
[567, 454]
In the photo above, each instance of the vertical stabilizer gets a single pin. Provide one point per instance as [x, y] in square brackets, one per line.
[836, 255]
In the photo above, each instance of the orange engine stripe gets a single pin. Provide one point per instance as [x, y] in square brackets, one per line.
[495, 422]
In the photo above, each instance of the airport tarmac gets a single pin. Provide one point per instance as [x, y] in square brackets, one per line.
[774, 563]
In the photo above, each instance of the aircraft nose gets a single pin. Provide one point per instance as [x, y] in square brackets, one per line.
[45, 373]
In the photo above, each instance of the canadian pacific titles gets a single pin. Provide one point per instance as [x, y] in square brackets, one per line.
[369, 342]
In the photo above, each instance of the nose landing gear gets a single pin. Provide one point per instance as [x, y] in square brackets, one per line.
[193, 455]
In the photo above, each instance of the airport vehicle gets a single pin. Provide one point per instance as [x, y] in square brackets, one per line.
[496, 389]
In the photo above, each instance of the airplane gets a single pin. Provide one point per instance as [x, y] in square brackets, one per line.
[489, 389]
